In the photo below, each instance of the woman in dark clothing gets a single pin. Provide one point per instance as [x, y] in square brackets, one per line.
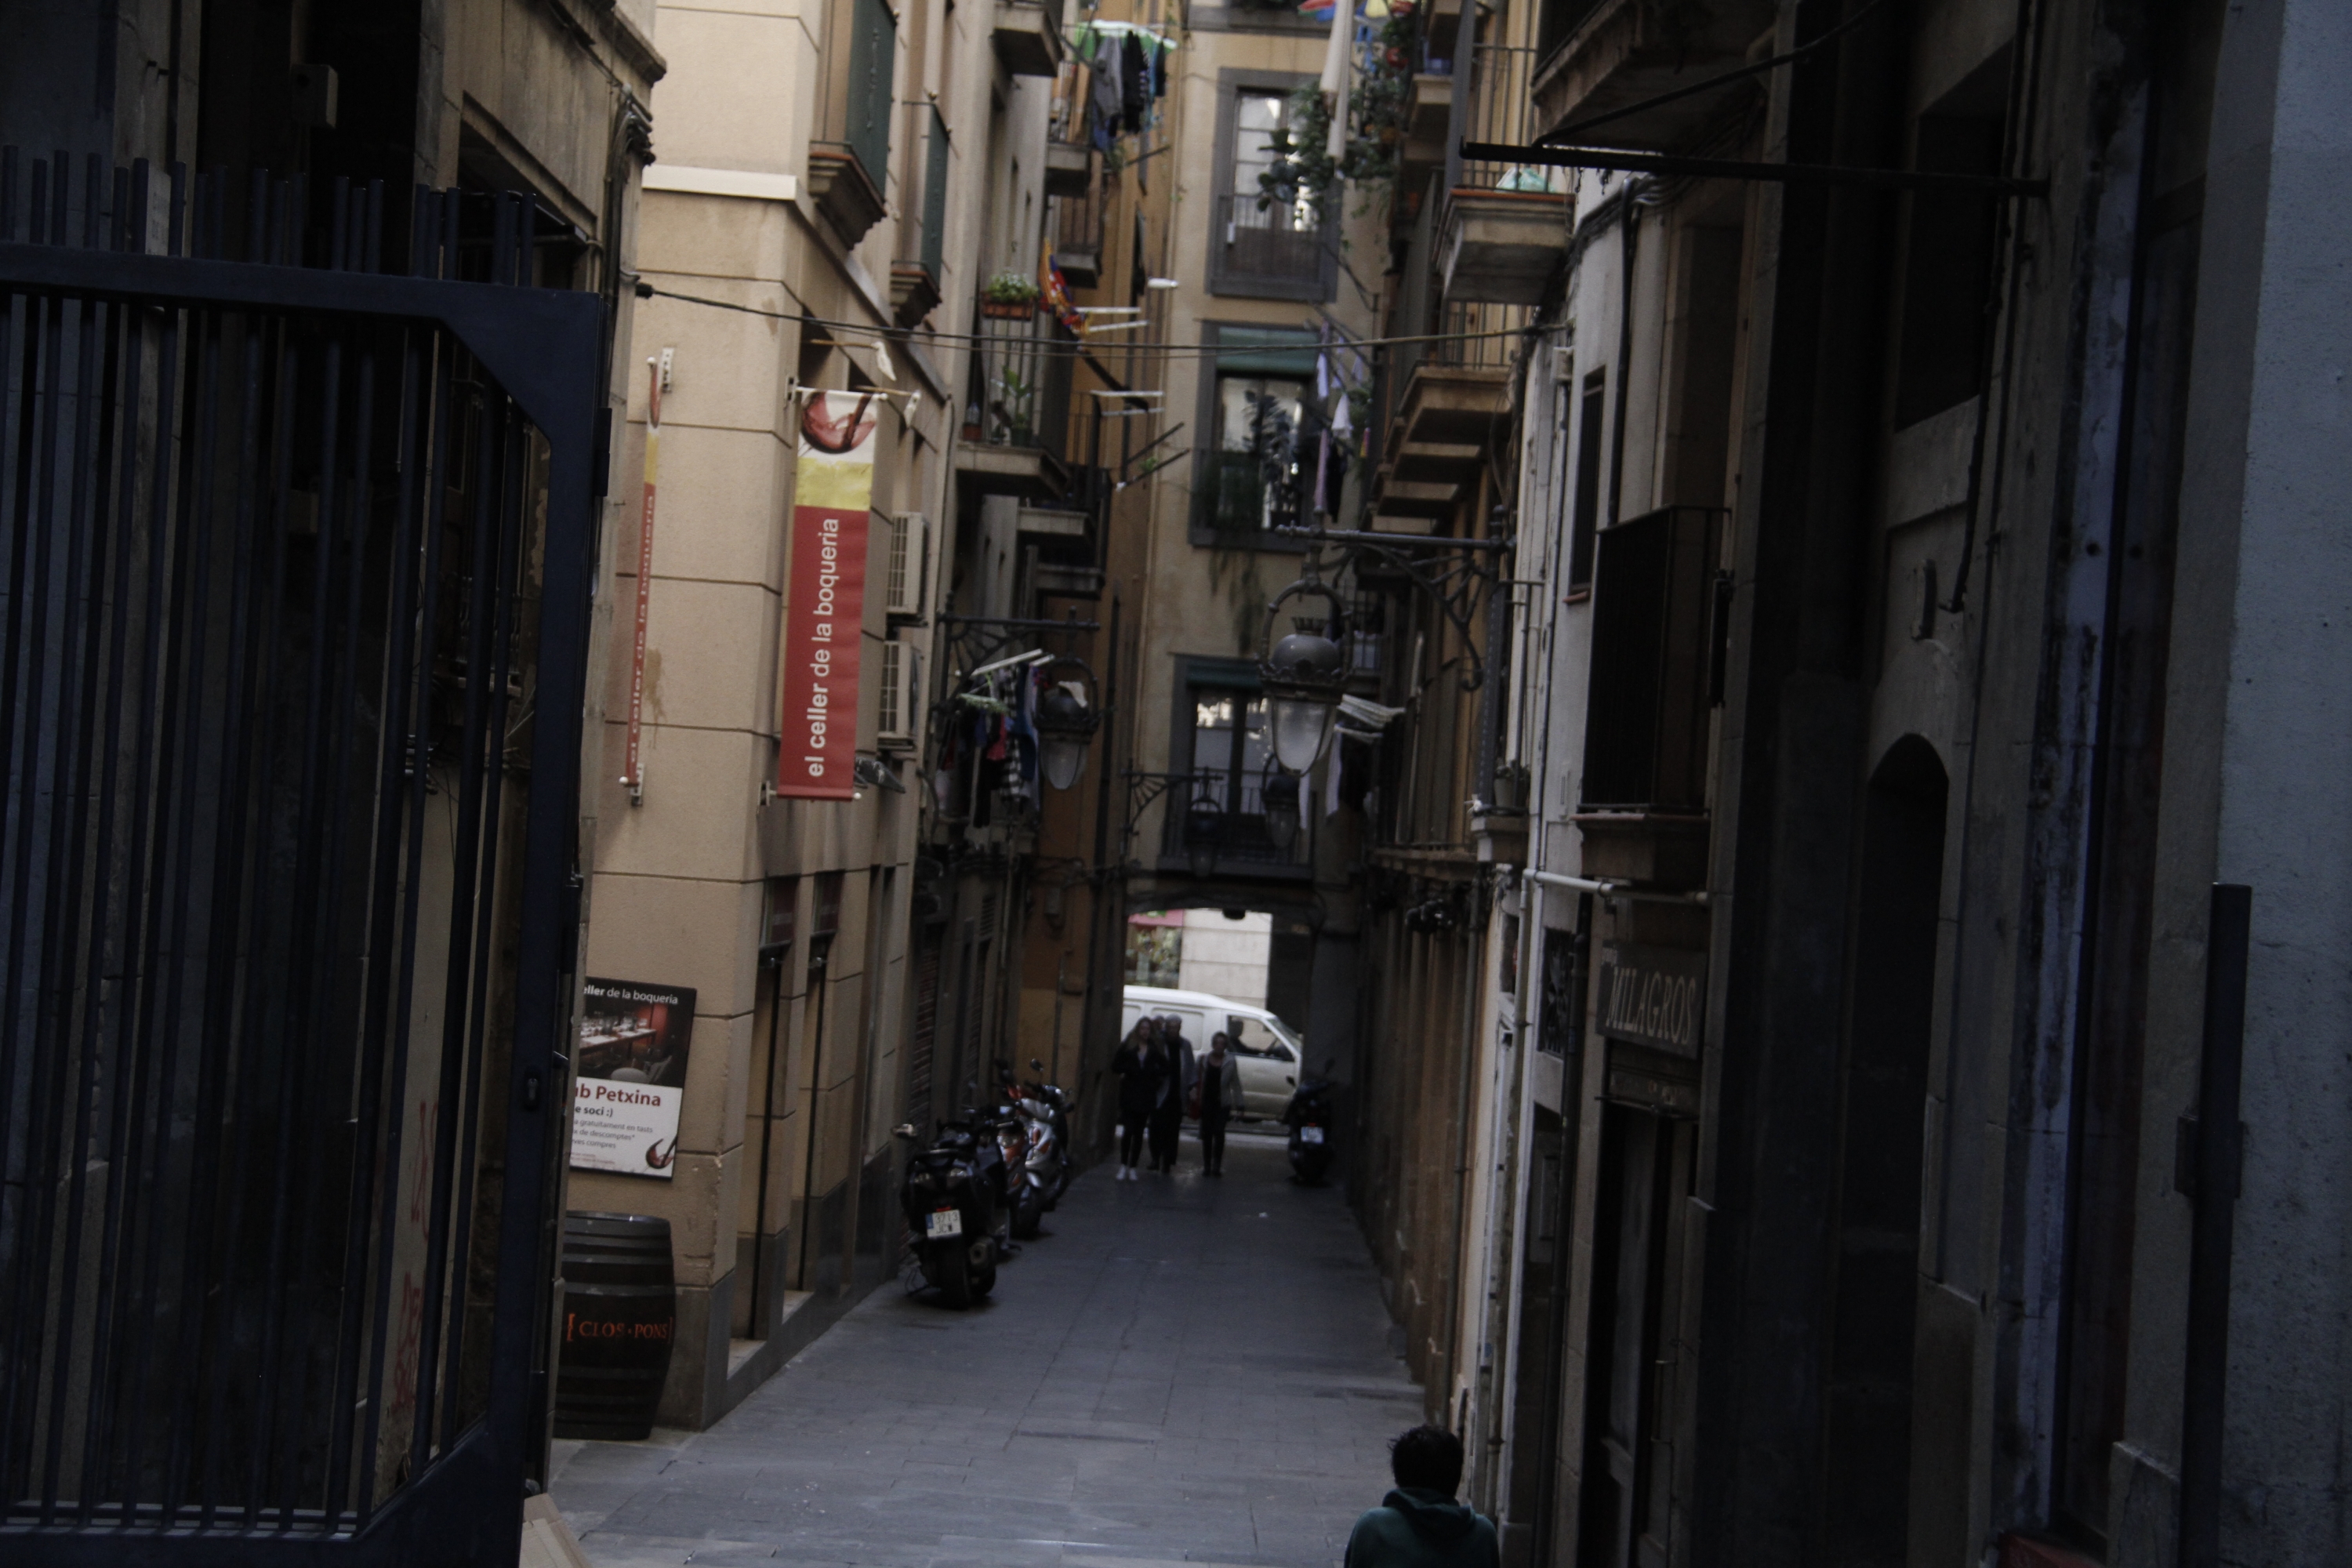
[1142, 1068]
[1168, 1115]
[1221, 1093]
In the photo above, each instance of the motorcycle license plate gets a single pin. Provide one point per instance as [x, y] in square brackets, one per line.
[1310, 1135]
[943, 1222]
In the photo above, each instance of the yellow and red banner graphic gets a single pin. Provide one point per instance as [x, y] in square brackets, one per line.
[825, 600]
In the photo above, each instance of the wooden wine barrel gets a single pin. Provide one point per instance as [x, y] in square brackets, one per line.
[620, 1317]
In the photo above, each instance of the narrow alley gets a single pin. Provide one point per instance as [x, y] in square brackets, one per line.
[662, 664]
[1178, 1370]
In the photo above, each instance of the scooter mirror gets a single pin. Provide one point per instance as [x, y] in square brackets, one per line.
[1036, 1066]
[905, 1130]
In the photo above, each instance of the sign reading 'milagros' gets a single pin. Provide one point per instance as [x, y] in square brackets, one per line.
[1650, 996]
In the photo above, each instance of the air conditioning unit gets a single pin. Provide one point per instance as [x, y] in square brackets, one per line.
[903, 569]
[898, 698]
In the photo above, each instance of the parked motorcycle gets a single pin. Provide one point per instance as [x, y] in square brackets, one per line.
[1054, 1107]
[1309, 1116]
[1024, 1186]
[1044, 1111]
[953, 1197]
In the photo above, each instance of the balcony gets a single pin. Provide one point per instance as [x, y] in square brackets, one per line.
[1078, 228]
[845, 175]
[1505, 230]
[1279, 251]
[1604, 55]
[1028, 37]
[1017, 406]
[1069, 168]
[1454, 398]
[1427, 118]
[1242, 506]
[1210, 828]
[843, 189]
[914, 293]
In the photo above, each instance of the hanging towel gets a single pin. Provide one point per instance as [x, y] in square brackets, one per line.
[1110, 77]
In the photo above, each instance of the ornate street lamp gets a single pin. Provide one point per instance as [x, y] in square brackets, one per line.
[1204, 828]
[1304, 675]
[1066, 721]
[1278, 793]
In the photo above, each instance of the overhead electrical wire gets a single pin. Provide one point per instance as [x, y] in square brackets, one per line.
[899, 335]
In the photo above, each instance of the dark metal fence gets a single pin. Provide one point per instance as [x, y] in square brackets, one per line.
[1021, 374]
[1222, 824]
[296, 559]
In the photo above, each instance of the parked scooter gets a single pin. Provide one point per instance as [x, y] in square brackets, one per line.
[952, 1196]
[1053, 1107]
[1309, 1116]
[1046, 1127]
[1024, 1187]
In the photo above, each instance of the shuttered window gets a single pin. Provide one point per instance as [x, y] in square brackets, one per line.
[872, 55]
[935, 197]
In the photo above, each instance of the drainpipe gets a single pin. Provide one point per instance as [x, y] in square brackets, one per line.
[2217, 1163]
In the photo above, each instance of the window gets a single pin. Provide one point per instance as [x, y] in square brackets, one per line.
[1256, 469]
[1219, 740]
[1260, 247]
[1593, 413]
[1266, 435]
[873, 56]
[1653, 625]
[1251, 1037]
[1230, 747]
[936, 157]
[1948, 265]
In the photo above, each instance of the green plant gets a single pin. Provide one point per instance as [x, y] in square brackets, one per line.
[1378, 108]
[1010, 288]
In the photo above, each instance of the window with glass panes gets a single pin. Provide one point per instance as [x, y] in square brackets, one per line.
[1277, 242]
[1230, 747]
[1262, 473]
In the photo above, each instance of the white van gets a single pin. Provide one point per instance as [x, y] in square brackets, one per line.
[1267, 1051]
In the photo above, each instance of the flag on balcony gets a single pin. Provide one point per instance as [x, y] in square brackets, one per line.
[1058, 294]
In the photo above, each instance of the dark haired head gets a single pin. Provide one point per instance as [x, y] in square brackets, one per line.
[1427, 1458]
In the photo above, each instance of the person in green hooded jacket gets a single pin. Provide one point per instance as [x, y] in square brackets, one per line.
[1419, 1524]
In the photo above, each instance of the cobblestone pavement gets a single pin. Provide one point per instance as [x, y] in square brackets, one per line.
[1182, 1369]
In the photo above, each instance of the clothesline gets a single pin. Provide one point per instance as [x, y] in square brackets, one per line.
[1122, 29]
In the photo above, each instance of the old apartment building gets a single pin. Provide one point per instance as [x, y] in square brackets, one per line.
[1780, 1131]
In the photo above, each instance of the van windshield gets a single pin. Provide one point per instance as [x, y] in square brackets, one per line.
[1264, 1037]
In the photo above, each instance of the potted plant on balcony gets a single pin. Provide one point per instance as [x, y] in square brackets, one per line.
[1011, 296]
[1012, 411]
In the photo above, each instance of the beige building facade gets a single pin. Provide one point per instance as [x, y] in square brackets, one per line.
[835, 180]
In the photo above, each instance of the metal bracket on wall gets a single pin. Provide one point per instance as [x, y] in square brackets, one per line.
[1456, 589]
[1670, 165]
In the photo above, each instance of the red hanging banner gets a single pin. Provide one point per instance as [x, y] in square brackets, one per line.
[825, 602]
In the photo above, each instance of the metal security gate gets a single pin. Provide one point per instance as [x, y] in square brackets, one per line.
[296, 564]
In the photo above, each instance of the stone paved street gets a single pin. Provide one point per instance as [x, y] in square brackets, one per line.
[1181, 1370]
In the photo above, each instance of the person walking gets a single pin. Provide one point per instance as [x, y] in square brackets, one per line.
[1141, 1069]
[1419, 1524]
[1167, 1112]
[1221, 1095]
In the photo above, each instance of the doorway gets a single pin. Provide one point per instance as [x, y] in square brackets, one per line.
[1867, 1405]
[1645, 1166]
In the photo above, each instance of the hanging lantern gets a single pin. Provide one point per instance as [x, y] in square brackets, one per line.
[1304, 675]
[1066, 721]
[1278, 792]
[1204, 830]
